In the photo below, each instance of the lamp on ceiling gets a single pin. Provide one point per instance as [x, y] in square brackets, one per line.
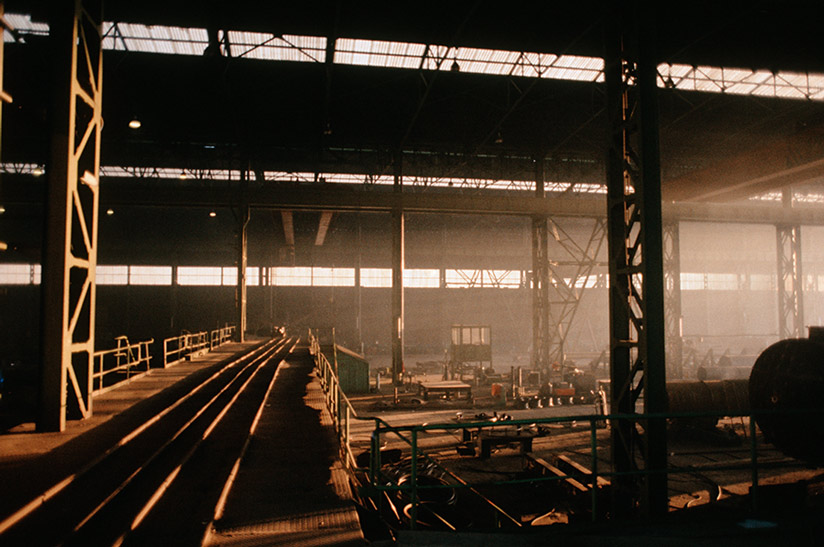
[135, 123]
[499, 139]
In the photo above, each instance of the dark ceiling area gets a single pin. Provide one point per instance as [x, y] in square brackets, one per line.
[207, 112]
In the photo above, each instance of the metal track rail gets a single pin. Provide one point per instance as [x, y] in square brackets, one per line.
[140, 490]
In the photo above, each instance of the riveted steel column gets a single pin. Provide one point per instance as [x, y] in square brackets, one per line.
[397, 275]
[635, 264]
[70, 247]
[540, 279]
[672, 297]
[790, 282]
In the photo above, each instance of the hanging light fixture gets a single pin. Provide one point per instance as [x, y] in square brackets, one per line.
[135, 123]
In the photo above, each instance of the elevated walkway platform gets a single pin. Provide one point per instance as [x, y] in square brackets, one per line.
[32, 462]
[288, 487]
[291, 488]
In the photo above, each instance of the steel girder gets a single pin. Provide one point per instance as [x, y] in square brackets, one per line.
[790, 282]
[72, 209]
[636, 293]
[672, 297]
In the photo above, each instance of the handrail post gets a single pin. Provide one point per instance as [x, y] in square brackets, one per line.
[346, 434]
[754, 460]
[375, 454]
[413, 479]
[594, 476]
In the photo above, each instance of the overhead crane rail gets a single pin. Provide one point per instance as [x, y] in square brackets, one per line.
[161, 482]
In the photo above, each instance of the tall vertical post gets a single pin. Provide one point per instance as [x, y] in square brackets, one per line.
[70, 247]
[790, 282]
[358, 290]
[4, 97]
[242, 262]
[397, 274]
[540, 278]
[243, 254]
[789, 275]
[672, 297]
[637, 353]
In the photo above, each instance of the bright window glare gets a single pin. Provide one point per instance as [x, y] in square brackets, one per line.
[112, 275]
[498, 279]
[30, 274]
[333, 277]
[376, 277]
[422, 279]
[194, 175]
[150, 275]
[737, 81]
[295, 276]
[19, 274]
[198, 275]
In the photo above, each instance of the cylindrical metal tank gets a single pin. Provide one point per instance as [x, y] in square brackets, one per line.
[789, 376]
[721, 397]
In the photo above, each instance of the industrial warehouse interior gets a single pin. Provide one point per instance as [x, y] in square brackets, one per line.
[414, 273]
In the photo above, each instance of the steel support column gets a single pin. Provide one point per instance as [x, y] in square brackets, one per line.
[672, 298]
[359, 289]
[637, 356]
[242, 262]
[4, 97]
[397, 278]
[540, 279]
[790, 282]
[70, 248]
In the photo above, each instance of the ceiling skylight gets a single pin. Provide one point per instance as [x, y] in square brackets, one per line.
[412, 56]
[110, 171]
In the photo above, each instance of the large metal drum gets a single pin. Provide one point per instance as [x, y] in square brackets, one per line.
[787, 381]
[720, 397]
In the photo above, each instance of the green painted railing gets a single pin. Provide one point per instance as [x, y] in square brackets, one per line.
[343, 413]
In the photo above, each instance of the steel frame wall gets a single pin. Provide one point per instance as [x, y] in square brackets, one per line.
[72, 213]
[635, 265]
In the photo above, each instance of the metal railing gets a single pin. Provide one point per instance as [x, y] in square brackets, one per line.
[343, 414]
[178, 348]
[218, 337]
[338, 404]
[126, 360]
